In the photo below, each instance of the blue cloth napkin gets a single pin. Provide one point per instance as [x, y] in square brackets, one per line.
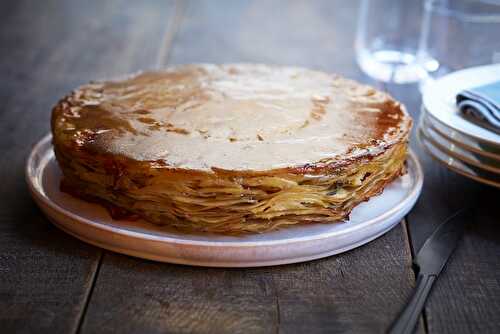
[481, 105]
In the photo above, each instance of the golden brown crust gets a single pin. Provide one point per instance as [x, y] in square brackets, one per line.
[286, 121]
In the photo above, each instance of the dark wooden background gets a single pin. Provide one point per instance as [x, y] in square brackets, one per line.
[53, 283]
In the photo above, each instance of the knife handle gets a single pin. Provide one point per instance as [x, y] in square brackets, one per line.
[408, 318]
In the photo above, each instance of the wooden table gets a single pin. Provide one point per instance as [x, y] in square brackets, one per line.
[53, 283]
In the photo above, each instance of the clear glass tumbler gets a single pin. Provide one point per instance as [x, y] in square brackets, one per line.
[458, 34]
[387, 40]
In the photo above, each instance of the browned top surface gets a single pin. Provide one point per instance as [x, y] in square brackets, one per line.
[234, 117]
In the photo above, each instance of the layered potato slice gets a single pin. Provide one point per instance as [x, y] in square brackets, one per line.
[230, 148]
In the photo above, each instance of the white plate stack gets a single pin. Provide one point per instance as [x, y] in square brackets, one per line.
[459, 144]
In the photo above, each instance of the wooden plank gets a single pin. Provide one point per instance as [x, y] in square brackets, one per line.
[467, 295]
[357, 292]
[48, 47]
[138, 296]
[466, 298]
[360, 291]
[319, 35]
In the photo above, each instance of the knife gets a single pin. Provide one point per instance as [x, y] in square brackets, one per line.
[429, 262]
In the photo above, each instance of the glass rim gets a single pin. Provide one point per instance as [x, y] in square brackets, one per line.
[442, 7]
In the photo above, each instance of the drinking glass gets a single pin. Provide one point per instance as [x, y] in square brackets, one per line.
[458, 34]
[387, 40]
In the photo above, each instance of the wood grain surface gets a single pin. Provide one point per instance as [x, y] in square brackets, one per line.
[48, 48]
[51, 282]
[359, 292]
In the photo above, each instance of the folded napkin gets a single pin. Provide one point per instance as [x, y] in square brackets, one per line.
[481, 105]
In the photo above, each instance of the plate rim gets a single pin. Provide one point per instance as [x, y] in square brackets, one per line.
[428, 120]
[274, 261]
[454, 154]
[41, 196]
[425, 143]
[424, 110]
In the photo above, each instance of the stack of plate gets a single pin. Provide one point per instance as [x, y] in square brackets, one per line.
[462, 146]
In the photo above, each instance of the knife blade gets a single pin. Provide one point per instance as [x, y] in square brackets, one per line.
[437, 249]
[429, 262]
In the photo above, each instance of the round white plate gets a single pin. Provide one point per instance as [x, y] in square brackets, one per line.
[91, 223]
[457, 165]
[459, 139]
[457, 151]
[439, 99]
